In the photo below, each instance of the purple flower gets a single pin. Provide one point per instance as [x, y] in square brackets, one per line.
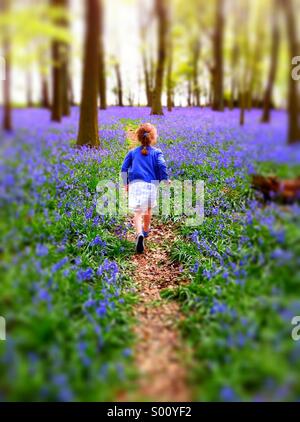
[56, 267]
[101, 310]
[41, 250]
[84, 275]
[228, 394]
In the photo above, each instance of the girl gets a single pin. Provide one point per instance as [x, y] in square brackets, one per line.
[143, 168]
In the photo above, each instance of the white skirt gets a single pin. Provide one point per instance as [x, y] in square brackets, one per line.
[141, 196]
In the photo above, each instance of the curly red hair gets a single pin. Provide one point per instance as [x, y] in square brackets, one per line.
[146, 135]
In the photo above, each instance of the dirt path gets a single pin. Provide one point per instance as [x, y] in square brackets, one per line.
[159, 352]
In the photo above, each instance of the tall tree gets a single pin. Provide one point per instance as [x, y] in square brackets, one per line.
[59, 52]
[233, 81]
[218, 94]
[196, 88]
[29, 89]
[71, 91]
[119, 88]
[169, 71]
[45, 103]
[65, 64]
[189, 91]
[145, 62]
[44, 99]
[293, 97]
[57, 87]
[102, 76]
[162, 16]
[88, 121]
[7, 118]
[147, 80]
[243, 74]
[267, 101]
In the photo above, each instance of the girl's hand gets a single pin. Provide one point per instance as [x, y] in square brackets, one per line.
[126, 188]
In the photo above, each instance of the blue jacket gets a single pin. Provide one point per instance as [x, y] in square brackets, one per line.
[137, 166]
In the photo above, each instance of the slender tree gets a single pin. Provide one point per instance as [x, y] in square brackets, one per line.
[233, 82]
[267, 101]
[189, 91]
[293, 97]
[161, 13]
[151, 78]
[71, 91]
[88, 121]
[218, 95]
[44, 99]
[45, 103]
[242, 101]
[7, 117]
[102, 76]
[196, 89]
[29, 89]
[65, 57]
[169, 72]
[60, 52]
[119, 88]
[56, 106]
[147, 79]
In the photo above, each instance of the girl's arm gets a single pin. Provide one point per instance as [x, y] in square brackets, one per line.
[162, 166]
[125, 167]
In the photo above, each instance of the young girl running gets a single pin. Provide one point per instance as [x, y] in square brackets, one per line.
[142, 170]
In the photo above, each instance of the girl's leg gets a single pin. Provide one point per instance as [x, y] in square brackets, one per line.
[138, 221]
[147, 219]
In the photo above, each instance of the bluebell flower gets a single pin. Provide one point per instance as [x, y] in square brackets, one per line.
[84, 275]
[227, 394]
[59, 265]
[41, 250]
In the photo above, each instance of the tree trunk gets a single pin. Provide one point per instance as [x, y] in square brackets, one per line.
[102, 76]
[196, 90]
[71, 91]
[218, 96]
[88, 121]
[45, 103]
[65, 68]
[29, 90]
[189, 92]
[147, 80]
[161, 13]
[232, 95]
[119, 84]
[272, 71]
[293, 97]
[56, 106]
[169, 74]
[242, 107]
[60, 52]
[7, 117]
[65, 90]
[151, 79]
[146, 67]
[233, 83]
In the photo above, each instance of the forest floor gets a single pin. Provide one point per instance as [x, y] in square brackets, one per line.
[160, 355]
